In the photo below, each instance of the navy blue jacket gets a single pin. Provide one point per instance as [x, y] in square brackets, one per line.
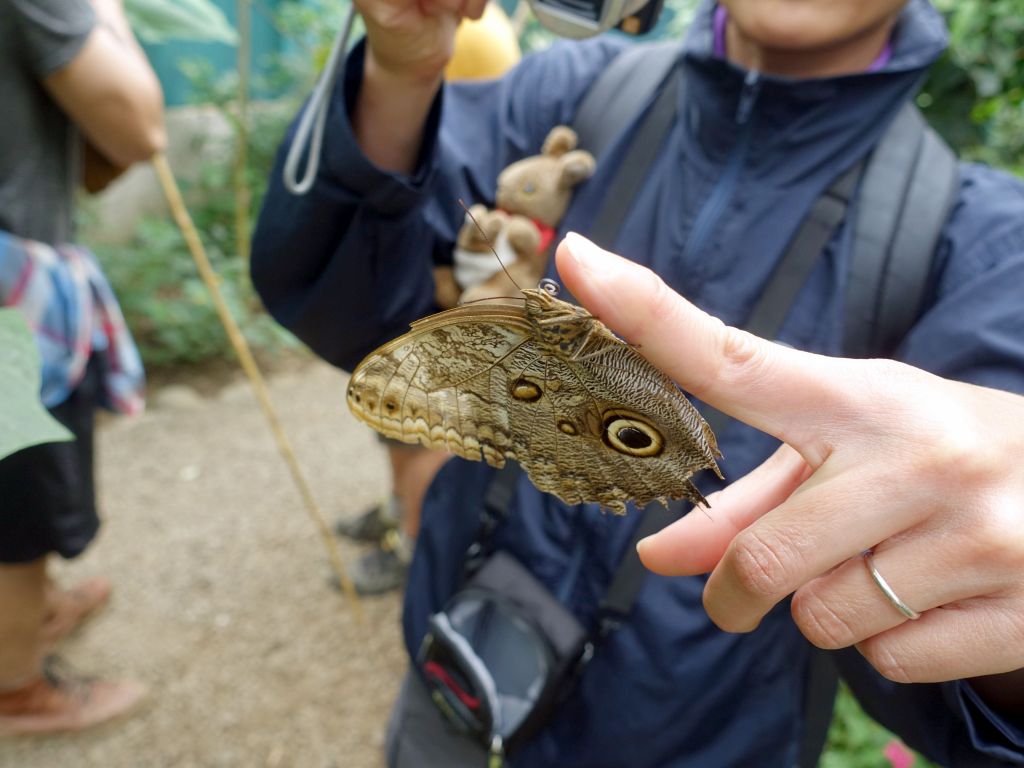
[348, 266]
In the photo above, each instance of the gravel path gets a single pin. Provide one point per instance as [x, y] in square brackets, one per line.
[221, 599]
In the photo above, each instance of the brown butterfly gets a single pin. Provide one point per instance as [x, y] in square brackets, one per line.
[546, 384]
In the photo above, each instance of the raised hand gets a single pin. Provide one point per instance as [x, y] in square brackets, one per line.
[877, 455]
[408, 44]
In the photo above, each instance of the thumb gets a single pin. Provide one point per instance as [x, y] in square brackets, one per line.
[771, 387]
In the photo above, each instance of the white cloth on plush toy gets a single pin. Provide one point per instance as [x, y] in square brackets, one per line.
[474, 267]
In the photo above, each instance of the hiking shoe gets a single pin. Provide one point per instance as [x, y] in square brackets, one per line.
[384, 568]
[68, 609]
[59, 701]
[374, 523]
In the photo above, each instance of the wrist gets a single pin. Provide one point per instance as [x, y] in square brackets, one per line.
[422, 78]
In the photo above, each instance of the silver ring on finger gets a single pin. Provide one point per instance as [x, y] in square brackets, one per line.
[883, 585]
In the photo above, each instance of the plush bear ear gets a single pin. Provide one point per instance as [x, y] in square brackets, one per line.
[575, 167]
[560, 140]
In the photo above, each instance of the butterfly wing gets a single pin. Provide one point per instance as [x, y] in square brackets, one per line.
[443, 384]
[607, 427]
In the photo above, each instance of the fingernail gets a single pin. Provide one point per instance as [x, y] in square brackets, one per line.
[591, 258]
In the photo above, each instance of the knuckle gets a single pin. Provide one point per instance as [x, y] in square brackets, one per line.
[740, 351]
[818, 622]
[996, 539]
[886, 661]
[759, 563]
[962, 454]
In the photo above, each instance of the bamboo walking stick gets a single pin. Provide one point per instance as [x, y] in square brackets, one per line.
[248, 362]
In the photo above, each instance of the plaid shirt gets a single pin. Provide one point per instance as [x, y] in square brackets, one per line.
[73, 314]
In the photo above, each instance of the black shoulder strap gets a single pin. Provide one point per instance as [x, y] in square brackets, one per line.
[820, 689]
[629, 578]
[795, 267]
[909, 187]
[621, 92]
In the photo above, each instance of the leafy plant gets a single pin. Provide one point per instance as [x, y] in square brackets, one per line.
[857, 741]
[165, 302]
[23, 420]
[975, 93]
[156, 21]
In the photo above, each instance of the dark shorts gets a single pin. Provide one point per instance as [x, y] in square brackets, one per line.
[47, 492]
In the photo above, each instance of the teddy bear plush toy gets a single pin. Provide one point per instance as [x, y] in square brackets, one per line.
[533, 195]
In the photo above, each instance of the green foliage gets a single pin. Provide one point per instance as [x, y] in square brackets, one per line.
[23, 420]
[165, 302]
[857, 741]
[975, 93]
[156, 21]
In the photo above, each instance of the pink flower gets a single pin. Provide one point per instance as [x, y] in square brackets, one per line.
[898, 755]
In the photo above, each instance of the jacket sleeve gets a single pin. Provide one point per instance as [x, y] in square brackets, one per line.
[946, 722]
[348, 265]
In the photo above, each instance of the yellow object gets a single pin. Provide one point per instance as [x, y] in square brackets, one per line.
[485, 48]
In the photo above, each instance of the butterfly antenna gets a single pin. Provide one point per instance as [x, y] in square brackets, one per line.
[491, 298]
[489, 244]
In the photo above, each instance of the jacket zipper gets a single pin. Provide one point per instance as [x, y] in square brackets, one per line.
[726, 184]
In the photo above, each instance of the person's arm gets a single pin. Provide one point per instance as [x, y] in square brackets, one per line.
[408, 45]
[110, 92]
[347, 265]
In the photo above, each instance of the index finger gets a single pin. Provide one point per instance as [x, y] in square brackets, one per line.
[774, 388]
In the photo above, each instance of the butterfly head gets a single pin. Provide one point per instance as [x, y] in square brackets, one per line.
[560, 325]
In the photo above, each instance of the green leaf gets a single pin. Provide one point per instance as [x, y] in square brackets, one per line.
[156, 21]
[23, 419]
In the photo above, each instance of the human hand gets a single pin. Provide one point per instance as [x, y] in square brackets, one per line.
[876, 454]
[413, 39]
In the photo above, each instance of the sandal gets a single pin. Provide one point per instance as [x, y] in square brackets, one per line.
[60, 700]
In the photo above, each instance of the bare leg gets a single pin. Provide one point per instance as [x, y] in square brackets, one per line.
[22, 609]
[412, 470]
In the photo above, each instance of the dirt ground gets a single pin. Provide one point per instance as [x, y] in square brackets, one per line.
[222, 604]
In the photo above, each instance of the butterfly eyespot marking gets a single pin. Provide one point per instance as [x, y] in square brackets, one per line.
[390, 406]
[526, 390]
[567, 427]
[630, 436]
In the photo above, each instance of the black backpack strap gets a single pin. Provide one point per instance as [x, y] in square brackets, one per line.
[497, 502]
[909, 187]
[820, 690]
[803, 253]
[795, 267]
[621, 92]
[629, 578]
[629, 83]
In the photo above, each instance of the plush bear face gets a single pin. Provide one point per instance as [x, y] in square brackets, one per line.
[540, 187]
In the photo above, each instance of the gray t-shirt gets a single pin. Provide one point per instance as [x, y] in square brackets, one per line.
[40, 164]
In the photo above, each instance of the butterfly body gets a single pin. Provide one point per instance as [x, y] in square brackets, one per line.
[543, 383]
